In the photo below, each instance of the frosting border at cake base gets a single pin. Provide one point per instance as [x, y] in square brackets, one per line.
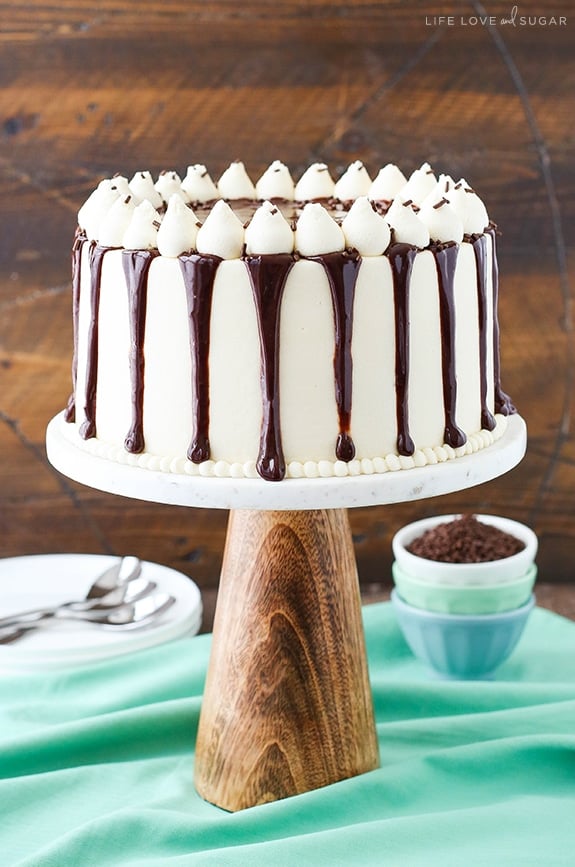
[67, 454]
[180, 465]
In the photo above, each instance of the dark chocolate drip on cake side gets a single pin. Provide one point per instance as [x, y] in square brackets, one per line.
[79, 240]
[88, 426]
[136, 264]
[503, 403]
[446, 261]
[341, 270]
[401, 258]
[480, 250]
[268, 274]
[199, 273]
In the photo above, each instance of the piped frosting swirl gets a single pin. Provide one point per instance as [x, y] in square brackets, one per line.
[419, 211]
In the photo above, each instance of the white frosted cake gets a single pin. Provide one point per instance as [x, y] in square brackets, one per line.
[281, 330]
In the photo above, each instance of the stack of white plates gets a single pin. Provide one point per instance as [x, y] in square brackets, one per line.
[47, 580]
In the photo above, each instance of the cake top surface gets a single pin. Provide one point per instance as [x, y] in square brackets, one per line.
[315, 216]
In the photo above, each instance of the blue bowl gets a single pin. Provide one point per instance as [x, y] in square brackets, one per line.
[461, 646]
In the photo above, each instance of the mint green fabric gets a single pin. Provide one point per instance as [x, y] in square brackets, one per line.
[96, 767]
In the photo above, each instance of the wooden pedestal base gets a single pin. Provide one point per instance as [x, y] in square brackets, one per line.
[287, 705]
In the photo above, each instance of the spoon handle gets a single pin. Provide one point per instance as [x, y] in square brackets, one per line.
[34, 616]
[69, 611]
[10, 636]
[39, 616]
[18, 628]
[89, 608]
[138, 620]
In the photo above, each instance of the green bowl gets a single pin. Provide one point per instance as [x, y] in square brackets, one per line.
[448, 599]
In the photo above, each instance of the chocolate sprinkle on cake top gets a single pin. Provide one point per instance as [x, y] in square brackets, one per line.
[465, 540]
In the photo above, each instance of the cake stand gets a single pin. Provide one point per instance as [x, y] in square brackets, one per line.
[287, 705]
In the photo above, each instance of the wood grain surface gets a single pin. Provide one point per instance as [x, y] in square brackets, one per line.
[90, 90]
[287, 704]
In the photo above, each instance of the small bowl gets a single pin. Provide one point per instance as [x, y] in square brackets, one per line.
[461, 646]
[449, 599]
[460, 574]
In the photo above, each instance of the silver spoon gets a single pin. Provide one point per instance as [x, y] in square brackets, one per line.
[127, 569]
[129, 616]
[109, 589]
[88, 609]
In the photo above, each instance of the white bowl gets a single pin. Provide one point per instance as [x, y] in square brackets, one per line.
[465, 574]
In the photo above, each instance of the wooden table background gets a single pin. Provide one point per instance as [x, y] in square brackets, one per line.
[90, 91]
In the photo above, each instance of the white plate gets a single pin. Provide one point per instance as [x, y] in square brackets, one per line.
[49, 579]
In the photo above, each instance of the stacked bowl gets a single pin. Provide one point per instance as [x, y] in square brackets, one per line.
[463, 618]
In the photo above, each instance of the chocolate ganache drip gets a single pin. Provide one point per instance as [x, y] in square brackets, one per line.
[480, 250]
[503, 403]
[88, 426]
[79, 240]
[446, 261]
[341, 270]
[401, 258]
[136, 264]
[268, 275]
[199, 273]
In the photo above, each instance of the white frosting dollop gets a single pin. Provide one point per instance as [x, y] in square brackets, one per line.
[420, 184]
[235, 183]
[366, 230]
[268, 232]
[469, 207]
[198, 184]
[442, 222]
[168, 184]
[96, 207]
[123, 187]
[437, 193]
[406, 225]
[116, 221]
[179, 229]
[222, 233]
[445, 183]
[275, 183]
[316, 232]
[354, 182]
[142, 231]
[389, 181]
[315, 183]
[142, 187]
